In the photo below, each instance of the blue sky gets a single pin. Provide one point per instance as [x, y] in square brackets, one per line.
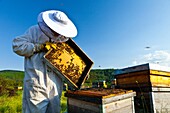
[113, 33]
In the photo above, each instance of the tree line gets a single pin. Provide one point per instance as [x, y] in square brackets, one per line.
[9, 79]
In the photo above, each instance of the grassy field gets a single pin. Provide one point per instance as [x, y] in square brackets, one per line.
[13, 104]
[11, 101]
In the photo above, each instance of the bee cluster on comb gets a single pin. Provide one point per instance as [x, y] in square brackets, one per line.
[64, 58]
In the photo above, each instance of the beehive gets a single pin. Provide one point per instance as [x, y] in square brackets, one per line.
[69, 62]
[151, 83]
[99, 100]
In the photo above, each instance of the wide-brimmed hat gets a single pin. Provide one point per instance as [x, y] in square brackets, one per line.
[59, 22]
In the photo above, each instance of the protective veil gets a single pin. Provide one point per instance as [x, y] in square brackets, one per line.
[42, 87]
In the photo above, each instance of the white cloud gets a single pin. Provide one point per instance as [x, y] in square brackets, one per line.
[157, 57]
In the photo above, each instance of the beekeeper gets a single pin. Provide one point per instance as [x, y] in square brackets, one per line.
[42, 87]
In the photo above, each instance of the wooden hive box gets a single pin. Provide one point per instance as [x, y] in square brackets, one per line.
[143, 76]
[151, 83]
[99, 100]
[69, 62]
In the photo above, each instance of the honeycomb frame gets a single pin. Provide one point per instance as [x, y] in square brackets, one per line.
[69, 62]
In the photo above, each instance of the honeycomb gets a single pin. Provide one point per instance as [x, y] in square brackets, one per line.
[64, 58]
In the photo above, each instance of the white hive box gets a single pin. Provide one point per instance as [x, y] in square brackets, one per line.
[98, 100]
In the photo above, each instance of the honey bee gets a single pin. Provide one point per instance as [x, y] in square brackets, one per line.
[66, 61]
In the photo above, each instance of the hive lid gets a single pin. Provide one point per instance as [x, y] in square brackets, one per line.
[142, 67]
[99, 92]
[69, 62]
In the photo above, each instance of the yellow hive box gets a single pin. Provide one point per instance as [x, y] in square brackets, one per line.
[145, 75]
[69, 62]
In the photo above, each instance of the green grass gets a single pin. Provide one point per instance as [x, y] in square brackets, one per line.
[14, 104]
[63, 103]
[11, 104]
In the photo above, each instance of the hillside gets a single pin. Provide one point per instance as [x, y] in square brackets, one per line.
[9, 80]
[13, 78]
[100, 75]
[95, 75]
[12, 74]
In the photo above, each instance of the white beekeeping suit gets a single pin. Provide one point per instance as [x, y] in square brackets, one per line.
[42, 87]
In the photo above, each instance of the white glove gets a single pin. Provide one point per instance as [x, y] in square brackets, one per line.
[38, 47]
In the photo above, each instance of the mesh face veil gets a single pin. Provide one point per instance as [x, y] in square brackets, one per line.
[61, 38]
[50, 33]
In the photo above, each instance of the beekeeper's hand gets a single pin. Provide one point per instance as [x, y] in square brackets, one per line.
[38, 48]
[49, 45]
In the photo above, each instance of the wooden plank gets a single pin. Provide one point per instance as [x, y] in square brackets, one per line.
[136, 88]
[160, 80]
[116, 107]
[161, 89]
[158, 72]
[130, 74]
[126, 109]
[121, 106]
[84, 98]
[98, 92]
[140, 79]
[129, 93]
[97, 95]
[84, 105]
[75, 109]
[161, 102]
[117, 98]
[132, 69]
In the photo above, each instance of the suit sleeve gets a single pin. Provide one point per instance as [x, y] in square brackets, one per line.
[23, 45]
